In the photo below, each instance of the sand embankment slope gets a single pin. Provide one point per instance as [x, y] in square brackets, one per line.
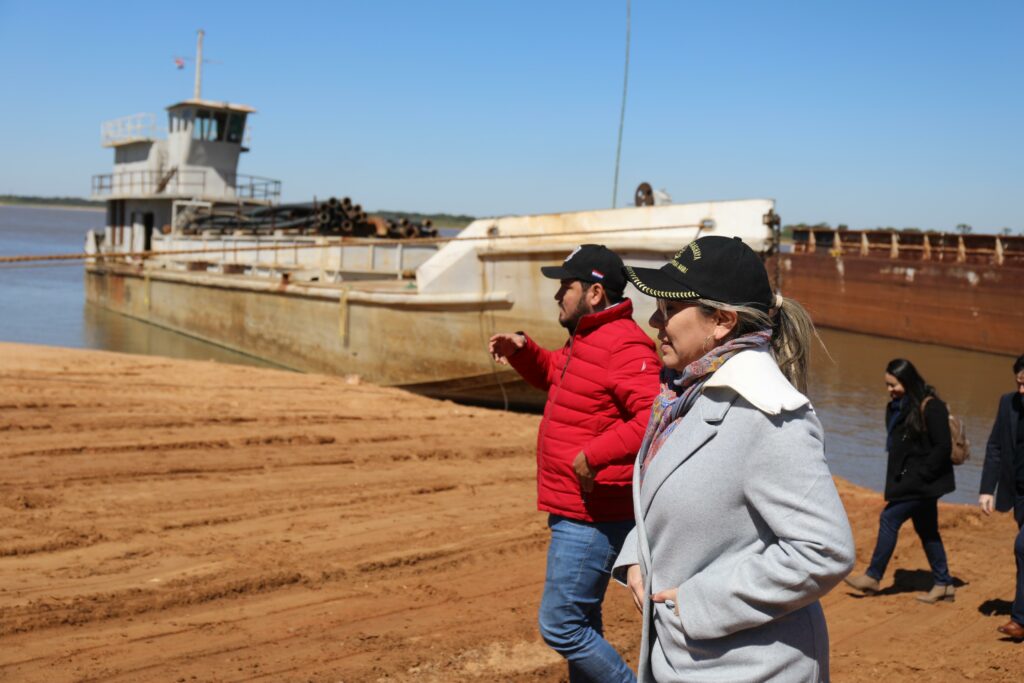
[172, 520]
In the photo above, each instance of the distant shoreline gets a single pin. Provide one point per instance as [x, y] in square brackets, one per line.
[62, 207]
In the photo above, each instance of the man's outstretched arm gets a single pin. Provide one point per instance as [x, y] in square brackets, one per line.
[525, 356]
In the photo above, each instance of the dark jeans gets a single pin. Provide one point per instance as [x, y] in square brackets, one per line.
[925, 514]
[1017, 611]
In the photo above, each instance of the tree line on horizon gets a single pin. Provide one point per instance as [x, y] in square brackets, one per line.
[442, 220]
[458, 221]
[53, 201]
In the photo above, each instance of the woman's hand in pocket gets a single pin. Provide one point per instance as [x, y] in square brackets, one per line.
[669, 598]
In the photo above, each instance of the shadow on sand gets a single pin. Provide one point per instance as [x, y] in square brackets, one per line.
[995, 608]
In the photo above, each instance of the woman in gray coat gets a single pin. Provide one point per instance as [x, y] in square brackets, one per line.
[739, 529]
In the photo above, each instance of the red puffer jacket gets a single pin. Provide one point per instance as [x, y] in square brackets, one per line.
[600, 388]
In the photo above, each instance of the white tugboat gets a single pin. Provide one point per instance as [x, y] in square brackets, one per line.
[413, 312]
[195, 164]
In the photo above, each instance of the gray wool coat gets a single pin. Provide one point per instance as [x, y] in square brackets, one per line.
[738, 511]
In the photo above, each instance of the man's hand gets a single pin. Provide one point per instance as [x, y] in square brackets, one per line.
[666, 596]
[635, 581]
[584, 472]
[502, 346]
[987, 503]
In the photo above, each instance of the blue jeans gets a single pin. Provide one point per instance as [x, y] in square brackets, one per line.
[580, 559]
[925, 514]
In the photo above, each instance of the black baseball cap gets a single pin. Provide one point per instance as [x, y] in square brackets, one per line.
[722, 269]
[590, 263]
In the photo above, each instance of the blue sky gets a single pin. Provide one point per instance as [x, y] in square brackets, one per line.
[866, 113]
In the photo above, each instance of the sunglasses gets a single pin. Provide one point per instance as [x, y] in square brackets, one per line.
[663, 306]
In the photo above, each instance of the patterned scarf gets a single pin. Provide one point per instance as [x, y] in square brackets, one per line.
[680, 391]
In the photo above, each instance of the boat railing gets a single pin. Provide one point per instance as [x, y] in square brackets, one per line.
[134, 128]
[255, 187]
[192, 182]
[148, 182]
[325, 259]
[924, 246]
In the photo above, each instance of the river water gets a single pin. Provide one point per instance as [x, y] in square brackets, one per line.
[46, 305]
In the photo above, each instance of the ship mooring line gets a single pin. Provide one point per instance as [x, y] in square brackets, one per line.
[10, 261]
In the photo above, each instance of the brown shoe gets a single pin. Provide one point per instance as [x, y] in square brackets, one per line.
[863, 583]
[937, 593]
[1012, 629]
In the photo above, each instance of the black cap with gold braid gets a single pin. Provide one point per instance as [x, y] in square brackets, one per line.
[718, 268]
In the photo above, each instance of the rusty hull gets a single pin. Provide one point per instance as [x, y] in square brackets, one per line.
[975, 306]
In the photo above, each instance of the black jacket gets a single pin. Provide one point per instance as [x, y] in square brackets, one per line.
[999, 455]
[919, 464]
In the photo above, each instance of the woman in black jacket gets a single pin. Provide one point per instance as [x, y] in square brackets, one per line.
[919, 471]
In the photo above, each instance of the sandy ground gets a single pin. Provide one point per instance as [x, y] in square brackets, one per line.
[186, 521]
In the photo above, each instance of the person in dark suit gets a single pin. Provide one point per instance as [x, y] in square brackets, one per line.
[1002, 483]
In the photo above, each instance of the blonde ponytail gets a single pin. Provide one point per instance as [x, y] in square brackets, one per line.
[792, 330]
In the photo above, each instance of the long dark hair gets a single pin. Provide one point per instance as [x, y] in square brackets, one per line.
[916, 390]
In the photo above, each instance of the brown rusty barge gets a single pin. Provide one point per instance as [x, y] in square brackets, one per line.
[957, 290]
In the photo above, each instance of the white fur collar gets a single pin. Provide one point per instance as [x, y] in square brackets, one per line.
[755, 376]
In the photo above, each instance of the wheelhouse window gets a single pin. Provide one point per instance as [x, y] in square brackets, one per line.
[179, 120]
[221, 119]
[209, 125]
[236, 127]
[202, 124]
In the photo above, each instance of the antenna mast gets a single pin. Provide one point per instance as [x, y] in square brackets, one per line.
[622, 115]
[197, 95]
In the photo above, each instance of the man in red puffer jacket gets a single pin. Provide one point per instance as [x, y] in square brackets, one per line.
[600, 387]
